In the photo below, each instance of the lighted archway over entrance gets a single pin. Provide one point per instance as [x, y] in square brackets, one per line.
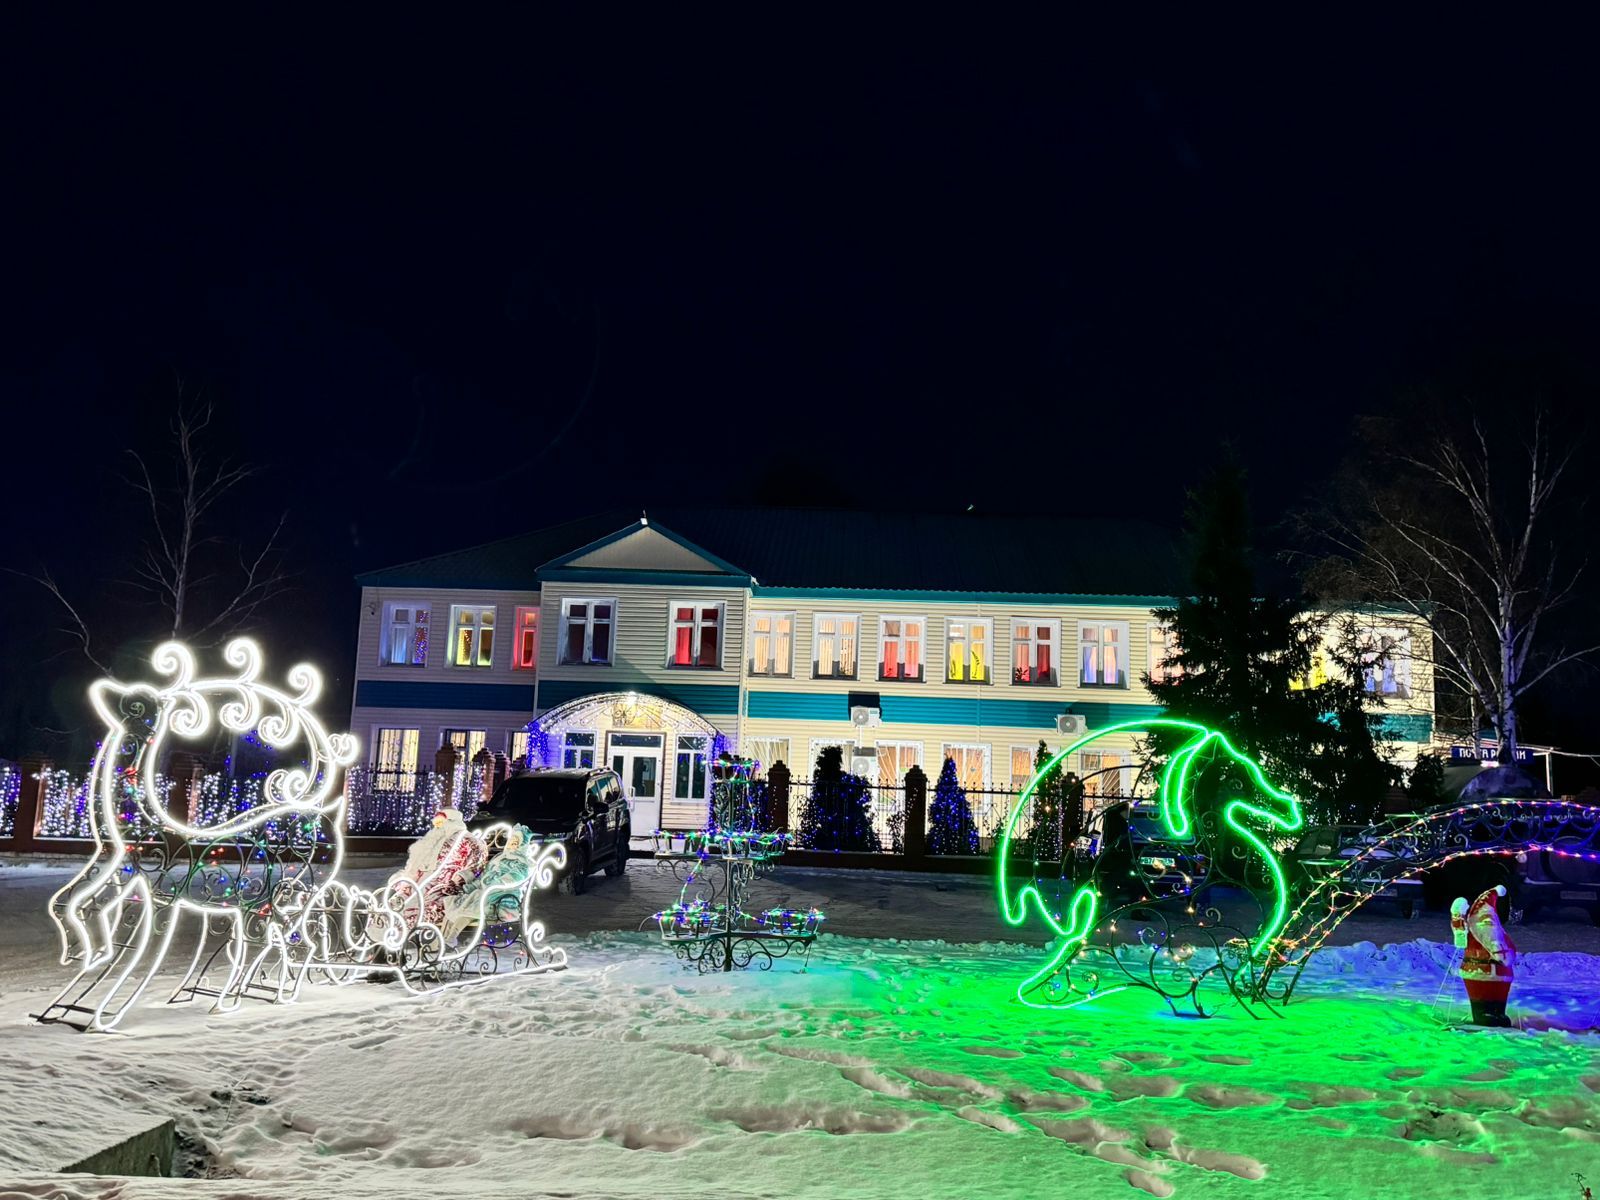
[662, 750]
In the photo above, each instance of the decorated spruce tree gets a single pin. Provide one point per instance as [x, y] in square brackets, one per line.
[838, 813]
[951, 829]
[1043, 820]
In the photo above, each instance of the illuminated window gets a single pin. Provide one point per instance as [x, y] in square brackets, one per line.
[465, 742]
[767, 751]
[818, 745]
[577, 749]
[967, 650]
[472, 635]
[405, 634]
[695, 639]
[1386, 662]
[972, 764]
[689, 779]
[586, 630]
[1103, 654]
[525, 650]
[518, 748]
[900, 648]
[1034, 652]
[1162, 649]
[771, 643]
[895, 759]
[1316, 676]
[1104, 773]
[833, 651]
[1021, 767]
[396, 763]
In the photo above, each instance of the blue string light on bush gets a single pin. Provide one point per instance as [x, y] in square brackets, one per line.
[951, 829]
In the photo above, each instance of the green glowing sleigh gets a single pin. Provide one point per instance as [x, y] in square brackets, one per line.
[1190, 911]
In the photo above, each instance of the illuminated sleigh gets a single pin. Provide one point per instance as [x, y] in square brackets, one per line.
[284, 915]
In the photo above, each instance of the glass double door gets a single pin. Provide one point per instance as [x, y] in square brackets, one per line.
[636, 758]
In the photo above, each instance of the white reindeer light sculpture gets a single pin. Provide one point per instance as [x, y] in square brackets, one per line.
[255, 873]
[118, 915]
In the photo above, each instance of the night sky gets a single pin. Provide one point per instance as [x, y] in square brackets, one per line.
[449, 281]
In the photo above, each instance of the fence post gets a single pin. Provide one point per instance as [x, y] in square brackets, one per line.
[916, 835]
[777, 814]
[483, 761]
[444, 768]
[497, 776]
[184, 770]
[30, 804]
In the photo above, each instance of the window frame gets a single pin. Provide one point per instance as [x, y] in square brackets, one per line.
[521, 627]
[477, 612]
[697, 627]
[511, 745]
[1160, 632]
[884, 637]
[1100, 627]
[1011, 753]
[988, 762]
[482, 740]
[386, 633]
[1032, 640]
[410, 740]
[752, 635]
[1394, 650]
[916, 761]
[576, 749]
[749, 744]
[683, 784]
[987, 623]
[589, 623]
[816, 641]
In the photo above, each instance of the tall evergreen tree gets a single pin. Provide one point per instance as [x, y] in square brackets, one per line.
[838, 813]
[1243, 664]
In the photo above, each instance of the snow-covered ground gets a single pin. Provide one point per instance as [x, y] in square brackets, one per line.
[897, 1065]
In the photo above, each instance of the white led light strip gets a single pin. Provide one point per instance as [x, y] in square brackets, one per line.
[117, 923]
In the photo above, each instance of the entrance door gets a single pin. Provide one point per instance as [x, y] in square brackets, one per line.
[636, 758]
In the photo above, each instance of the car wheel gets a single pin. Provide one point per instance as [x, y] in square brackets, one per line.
[576, 881]
[619, 860]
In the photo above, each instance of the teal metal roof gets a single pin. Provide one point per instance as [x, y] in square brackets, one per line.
[803, 550]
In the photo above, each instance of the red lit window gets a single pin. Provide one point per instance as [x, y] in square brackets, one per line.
[527, 643]
[696, 636]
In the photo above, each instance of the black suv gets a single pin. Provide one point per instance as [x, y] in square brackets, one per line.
[584, 810]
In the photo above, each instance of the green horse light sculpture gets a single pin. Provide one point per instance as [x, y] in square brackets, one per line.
[1198, 900]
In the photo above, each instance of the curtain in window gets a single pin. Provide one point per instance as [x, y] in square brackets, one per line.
[683, 638]
[1021, 767]
[710, 626]
[847, 646]
[979, 654]
[781, 633]
[913, 650]
[1111, 660]
[827, 635]
[1089, 644]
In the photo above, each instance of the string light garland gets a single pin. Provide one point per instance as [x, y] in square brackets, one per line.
[245, 861]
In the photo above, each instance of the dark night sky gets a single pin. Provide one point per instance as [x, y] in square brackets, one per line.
[450, 281]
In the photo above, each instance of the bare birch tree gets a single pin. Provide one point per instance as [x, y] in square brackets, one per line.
[1464, 534]
[204, 585]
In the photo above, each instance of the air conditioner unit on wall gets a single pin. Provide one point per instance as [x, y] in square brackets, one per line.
[861, 715]
[1072, 723]
[864, 765]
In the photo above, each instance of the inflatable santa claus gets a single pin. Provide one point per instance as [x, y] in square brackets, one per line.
[1487, 957]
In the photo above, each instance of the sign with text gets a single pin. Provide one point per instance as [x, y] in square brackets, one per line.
[1486, 752]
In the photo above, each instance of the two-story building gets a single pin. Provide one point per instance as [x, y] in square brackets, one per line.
[650, 643]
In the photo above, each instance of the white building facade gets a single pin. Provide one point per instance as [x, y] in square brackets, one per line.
[625, 643]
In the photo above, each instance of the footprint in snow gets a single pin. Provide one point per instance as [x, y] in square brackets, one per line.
[1227, 1060]
[993, 1051]
[1215, 1095]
